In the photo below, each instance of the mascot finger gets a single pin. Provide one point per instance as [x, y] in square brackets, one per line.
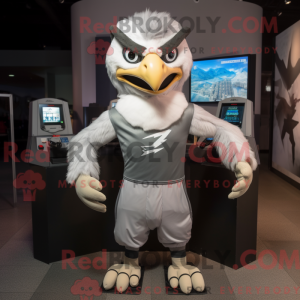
[240, 185]
[234, 195]
[95, 205]
[94, 184]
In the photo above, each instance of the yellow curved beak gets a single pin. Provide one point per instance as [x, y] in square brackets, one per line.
[152, 76]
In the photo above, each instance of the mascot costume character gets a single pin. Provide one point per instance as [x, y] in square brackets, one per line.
[148, 67]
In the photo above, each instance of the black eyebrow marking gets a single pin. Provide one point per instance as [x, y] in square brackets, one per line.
[175, 41]
[166, 48]
[124, 40]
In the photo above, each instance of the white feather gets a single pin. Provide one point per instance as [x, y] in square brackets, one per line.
[157, 112]
[206, 125]
[82, 154]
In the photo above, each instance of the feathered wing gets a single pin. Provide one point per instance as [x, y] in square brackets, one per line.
[230, 136]
[82, 153]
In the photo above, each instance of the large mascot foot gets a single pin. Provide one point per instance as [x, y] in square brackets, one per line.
[123, 275]
[185, 276]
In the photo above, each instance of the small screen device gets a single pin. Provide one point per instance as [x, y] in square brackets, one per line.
[233, 113]
[49, 131]
[51, 115]
[238, 112]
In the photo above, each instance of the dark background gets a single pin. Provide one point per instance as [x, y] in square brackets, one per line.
[46, 24]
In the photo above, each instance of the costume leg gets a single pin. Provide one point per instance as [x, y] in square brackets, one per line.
[176, 221]
[131, 228]
[174, 233]
[131, 231]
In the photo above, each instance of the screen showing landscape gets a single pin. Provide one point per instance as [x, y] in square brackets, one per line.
[51, 114]
[217, 79]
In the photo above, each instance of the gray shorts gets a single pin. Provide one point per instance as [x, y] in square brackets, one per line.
[144, 207]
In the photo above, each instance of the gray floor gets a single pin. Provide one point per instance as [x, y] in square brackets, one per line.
[22, 277]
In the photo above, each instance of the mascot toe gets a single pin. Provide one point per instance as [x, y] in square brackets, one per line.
[184, 276]
[123, 275]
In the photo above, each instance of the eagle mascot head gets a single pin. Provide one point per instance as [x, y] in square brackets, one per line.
[150, 56]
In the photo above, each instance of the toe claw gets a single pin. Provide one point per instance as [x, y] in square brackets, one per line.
[198, 282]
[134, 282]
[135, 277]
[174, 283]
[186, 289]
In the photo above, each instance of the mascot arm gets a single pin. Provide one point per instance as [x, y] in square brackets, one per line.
[233, 147]
[83, 164]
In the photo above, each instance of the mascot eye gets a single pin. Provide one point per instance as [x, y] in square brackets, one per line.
[171, 56]
[131, 57]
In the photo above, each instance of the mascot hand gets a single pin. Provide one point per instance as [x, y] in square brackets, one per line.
[88, 190]
[244, 175]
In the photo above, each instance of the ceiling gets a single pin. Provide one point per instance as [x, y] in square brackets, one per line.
[271, 6]
[35, 24]
[45, 24]
[290, 13]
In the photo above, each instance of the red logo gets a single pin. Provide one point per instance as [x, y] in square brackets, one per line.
[100, 49]
[29, 182]
[86, 288]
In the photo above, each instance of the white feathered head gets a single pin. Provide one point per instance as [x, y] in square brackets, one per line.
[150, 56]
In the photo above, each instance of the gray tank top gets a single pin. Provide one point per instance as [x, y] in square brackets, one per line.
[154, 156]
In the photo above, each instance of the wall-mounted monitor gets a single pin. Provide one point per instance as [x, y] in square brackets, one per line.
[215, 79]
